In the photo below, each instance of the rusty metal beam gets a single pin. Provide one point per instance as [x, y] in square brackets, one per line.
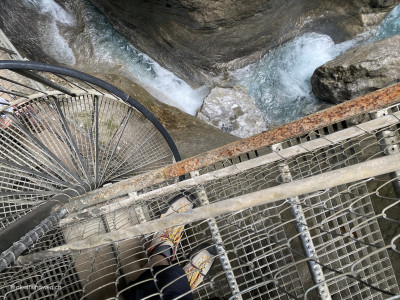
[364, 104]
[335, 114]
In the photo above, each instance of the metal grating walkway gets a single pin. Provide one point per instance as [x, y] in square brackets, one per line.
[309, 210]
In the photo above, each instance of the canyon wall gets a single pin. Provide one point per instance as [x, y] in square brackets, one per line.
[200, 40]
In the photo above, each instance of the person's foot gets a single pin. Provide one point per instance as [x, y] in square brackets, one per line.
[166, 243]
[201, 261]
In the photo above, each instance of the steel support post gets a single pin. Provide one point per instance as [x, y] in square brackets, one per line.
[305, 236]
[217, 239]
[389, 143]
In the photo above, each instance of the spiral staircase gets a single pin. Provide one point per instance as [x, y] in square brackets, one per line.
[63, 134]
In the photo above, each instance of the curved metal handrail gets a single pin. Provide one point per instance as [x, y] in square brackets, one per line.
[36, 66]
[22, 104]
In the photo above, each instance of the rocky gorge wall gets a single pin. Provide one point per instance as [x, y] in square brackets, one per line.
[200, 40]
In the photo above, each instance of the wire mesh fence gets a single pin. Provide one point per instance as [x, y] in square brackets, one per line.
[64, 134]
[329, 243]
[307, 216]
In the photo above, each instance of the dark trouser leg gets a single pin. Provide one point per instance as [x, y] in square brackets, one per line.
[171, 281]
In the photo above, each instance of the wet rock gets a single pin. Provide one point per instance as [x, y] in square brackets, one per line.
[233, 110]
[191, 135]
[19, 24]
[361, 70]
[200, 40]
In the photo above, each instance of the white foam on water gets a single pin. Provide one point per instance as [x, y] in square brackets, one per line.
[112, 49]
[108, 51]
[51, 39]
[281, 81]
[52, 7]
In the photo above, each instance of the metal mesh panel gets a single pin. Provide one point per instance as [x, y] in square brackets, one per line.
[353, 228]
[55, 142]
[337, 240]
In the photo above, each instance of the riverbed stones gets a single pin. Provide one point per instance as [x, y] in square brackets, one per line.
[199, 40]
[232, 110]
[360, 70]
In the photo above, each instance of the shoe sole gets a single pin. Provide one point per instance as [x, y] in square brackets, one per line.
[204, 249]
[173, 208]
[173, 202]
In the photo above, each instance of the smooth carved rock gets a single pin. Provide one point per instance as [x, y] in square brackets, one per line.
[232, 110]
[360, 70]
[199, 39]
[191, 135]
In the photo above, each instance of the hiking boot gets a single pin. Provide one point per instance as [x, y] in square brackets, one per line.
[201, 260]
[166, 242]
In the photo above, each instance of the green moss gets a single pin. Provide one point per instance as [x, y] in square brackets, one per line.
[84, 119]
[110, 127]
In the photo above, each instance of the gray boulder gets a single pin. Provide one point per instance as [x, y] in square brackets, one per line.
[360, 70]
[233, 110]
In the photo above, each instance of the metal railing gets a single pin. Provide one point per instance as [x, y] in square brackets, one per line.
[306, 210]
[64, 133]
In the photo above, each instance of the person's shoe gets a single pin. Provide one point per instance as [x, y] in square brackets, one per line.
[166, 243]
[201, 261]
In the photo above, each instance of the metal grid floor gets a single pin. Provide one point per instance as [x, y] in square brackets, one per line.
[336, 240]
[262, 254]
